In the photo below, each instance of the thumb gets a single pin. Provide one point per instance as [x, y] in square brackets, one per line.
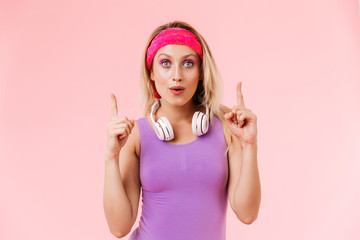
[228, 118]
[132, 121]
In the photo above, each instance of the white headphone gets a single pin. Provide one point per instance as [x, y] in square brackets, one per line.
[163, 128]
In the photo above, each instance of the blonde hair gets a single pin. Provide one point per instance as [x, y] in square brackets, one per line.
[210, 86]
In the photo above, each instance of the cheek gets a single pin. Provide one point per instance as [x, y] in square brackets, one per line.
[193, 77]
[161, 80]
[161, 75]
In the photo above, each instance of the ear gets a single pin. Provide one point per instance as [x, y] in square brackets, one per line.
[152, 76]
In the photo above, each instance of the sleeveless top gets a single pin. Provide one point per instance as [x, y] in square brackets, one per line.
[184, 186]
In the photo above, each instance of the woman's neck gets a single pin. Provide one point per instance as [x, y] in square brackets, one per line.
[177, 114]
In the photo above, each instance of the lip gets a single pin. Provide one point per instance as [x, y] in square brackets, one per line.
[176, 87]
[177, 92]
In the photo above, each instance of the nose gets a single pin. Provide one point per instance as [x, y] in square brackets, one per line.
[177, 73]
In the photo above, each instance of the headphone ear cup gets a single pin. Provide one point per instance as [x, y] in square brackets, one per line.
[159, 131]
[205, 123]
[167, 128]
[194, 123]
[200, 124]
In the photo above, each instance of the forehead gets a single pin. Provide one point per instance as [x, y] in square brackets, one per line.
[176, 50]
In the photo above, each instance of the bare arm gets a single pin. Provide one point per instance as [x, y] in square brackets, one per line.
[244, 182]
[122, 190]
[116, 204]
[121, 183]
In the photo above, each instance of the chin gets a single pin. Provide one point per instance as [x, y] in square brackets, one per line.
[177, 100]
[180, 101]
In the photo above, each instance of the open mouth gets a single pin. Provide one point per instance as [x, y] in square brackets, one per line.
[177, 88]
[176, 91]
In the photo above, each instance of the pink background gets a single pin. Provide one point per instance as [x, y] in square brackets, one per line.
[299, 62]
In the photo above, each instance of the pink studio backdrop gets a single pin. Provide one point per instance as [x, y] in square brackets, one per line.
[299, 62]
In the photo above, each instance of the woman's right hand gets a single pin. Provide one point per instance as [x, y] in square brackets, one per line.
[119, 130]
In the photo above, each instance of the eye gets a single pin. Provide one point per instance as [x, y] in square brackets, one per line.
[189, 63]
[165, 63]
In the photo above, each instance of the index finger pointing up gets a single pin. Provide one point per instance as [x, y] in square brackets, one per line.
[114, 110]
[240, 98]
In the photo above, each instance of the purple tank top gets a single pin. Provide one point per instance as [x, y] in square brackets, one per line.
[184, 187]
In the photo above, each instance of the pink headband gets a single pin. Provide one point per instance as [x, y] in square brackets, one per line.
[172, 36]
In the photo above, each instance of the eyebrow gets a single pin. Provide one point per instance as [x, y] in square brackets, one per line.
[185, 56]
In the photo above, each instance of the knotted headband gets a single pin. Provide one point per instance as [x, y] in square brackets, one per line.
[172, 36]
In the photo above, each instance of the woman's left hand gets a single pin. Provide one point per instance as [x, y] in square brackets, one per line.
[242, 122]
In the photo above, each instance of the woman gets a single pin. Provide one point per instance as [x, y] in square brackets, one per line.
[189, 154]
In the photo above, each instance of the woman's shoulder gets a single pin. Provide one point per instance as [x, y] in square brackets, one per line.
[140, 123]
[140, 119]
[220, 113]
[143, 120]
[224, 108]
[134, 137]
[220, 116]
